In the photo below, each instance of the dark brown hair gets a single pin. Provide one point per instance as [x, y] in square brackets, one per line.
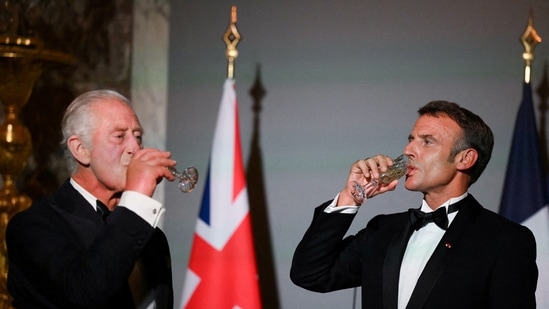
[475, 133]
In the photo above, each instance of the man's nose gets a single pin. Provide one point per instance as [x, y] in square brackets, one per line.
[407, 150]
[135, 146]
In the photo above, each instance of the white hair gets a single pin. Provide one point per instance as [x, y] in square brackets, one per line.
[80, 119]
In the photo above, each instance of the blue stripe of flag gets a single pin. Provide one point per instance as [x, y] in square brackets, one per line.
[524, 190]
[204, 213]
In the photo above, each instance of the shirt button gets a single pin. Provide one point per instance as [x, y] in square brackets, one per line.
[154, 211]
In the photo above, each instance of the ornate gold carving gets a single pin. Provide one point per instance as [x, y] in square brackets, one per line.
[529, 40]
[231, 38]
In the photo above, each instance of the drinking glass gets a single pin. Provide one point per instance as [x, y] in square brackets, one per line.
[187, 178]
[397, 170]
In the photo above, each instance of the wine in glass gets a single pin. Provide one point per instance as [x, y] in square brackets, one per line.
[397, 170]
[187, 179]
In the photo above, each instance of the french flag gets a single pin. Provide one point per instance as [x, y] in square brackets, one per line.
[222, 270]
[524, 198]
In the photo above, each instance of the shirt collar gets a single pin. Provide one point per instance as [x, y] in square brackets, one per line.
[87, 195]
[453, 200]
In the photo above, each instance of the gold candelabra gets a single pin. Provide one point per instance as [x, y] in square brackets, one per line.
[22, 60]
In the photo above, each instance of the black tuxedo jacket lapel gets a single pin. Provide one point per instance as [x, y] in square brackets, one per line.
[77, 212]
[439, 259]
[391, 266]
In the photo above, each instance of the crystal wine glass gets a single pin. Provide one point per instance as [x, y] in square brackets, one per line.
[187, 179]
[397, 170]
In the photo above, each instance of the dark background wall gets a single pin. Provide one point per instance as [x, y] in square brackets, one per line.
[343, 81]
[94, 40]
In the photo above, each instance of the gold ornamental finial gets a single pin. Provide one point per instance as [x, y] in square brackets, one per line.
[231, 38]
[529, 40]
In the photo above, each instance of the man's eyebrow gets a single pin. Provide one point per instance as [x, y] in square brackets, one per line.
[126, 129]
[422, 136]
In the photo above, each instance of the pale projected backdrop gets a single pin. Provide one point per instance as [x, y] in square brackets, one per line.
[343, 81]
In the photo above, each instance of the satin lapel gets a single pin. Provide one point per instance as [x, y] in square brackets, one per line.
[391, 266]
[438, 261]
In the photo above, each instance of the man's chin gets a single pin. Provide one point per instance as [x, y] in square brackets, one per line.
[410, 186]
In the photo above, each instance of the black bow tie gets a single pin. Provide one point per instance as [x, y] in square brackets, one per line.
[419, 218]
[102, 210]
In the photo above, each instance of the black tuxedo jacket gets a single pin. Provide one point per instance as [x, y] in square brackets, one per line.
[482, 261]
[62, 255]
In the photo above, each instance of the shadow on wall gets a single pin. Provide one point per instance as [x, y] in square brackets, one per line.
[258, 205]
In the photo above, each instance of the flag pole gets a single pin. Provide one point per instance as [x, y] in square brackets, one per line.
[231, 38]
[222, 271]
[529, 40]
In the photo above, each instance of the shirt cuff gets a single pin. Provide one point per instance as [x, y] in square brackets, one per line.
[145, 207]
[333, 208]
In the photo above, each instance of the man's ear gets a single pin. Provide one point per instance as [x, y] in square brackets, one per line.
[78, 150]
[466, 158]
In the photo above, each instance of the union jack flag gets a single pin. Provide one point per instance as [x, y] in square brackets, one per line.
[222, 271]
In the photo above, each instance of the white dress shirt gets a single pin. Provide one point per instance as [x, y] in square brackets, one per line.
[145, 207]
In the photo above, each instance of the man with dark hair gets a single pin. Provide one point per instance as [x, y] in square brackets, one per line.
[470, 258]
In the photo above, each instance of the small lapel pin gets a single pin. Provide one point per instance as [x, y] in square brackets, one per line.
[448, 245]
